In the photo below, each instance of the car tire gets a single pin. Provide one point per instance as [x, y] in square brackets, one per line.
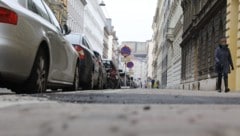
[111, 84]
[100, 82]
[75, 85]
[90, 84]
[37, 82]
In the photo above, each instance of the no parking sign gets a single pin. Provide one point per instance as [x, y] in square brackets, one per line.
[125, 51]
[130, 64]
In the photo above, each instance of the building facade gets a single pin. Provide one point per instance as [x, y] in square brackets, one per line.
[150, 59]
[115, 48]
[107, 33]
[233, 35]
[161, 25]
[75, 9]
[94, 23]
[167, 37]
[204, 23]
[111, 44]
[157, 35]
[174, 37]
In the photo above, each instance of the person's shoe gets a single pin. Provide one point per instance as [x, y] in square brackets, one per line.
[227, 90]
[219, 90]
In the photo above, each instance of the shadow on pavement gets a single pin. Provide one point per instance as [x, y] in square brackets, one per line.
[121, 98]
[6, 93]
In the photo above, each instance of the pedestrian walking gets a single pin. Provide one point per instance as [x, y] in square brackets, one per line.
[223, 62]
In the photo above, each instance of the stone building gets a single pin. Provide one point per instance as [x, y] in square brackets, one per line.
[59, 8]
[149, 59]
[167, 36]
[107, 53]
[160, 42]
[174, 37]
[94, 23]
[158, 37]
[75, 9]
[115, 48]
[204, 23]
[111, 45]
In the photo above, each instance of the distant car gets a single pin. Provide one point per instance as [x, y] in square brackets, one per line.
[34, 54]
[102, 79]
[88, 64]
[113, 77]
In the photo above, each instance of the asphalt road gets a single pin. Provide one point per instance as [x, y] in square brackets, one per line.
[123, 112]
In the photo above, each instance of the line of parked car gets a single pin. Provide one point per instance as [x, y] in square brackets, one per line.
[36, 53]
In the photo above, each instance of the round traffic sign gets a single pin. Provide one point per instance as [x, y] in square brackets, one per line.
[130, 64]
[125, 51]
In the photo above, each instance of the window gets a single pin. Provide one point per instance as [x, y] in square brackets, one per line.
[38, 8]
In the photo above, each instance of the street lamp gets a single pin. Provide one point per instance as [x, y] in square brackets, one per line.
[102, 3]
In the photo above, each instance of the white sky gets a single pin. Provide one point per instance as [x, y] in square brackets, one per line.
[132, 19]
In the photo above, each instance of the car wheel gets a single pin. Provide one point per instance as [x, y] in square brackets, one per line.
[111, 84]
[100, 82]
[37, 82]
[90, 84]
[75, 85]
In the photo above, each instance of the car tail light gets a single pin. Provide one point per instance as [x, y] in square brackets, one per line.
[80, 51]
[7, 16]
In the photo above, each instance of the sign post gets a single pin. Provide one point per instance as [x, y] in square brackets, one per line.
[125, 51]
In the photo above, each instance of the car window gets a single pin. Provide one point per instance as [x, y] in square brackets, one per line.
[38, 8]
[53, 17]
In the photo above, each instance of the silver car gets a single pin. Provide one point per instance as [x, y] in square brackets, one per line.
[34, 54]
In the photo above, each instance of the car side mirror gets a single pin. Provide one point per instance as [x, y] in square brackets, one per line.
[66, 29]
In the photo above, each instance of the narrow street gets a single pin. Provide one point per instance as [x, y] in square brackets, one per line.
[126, 112]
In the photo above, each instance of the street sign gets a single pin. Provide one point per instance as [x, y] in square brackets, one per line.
[125, 51]
[130, 64]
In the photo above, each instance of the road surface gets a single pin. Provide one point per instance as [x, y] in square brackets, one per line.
[126, 112]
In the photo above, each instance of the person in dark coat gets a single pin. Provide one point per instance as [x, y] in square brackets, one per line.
[223, 62]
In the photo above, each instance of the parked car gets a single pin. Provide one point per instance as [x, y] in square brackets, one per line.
[34, 54]
[102, 78]
[113, 77]
[88, 64]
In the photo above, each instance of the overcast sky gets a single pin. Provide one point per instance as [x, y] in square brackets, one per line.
[132, 19]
